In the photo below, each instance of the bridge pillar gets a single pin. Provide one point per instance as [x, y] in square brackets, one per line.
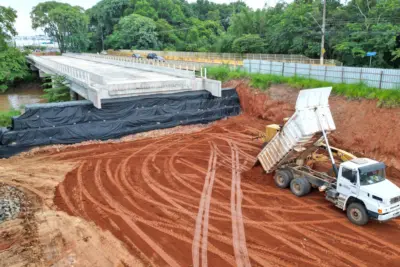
[74, 95]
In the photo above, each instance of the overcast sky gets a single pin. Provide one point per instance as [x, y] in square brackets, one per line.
[24, 7]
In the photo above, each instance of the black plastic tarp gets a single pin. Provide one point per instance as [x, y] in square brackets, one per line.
[73, 122]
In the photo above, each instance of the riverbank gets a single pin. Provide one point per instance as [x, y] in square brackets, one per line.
[21, 94]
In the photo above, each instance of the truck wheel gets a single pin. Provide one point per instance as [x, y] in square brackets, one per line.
[300, 186]
[282, 178]
[357, 213]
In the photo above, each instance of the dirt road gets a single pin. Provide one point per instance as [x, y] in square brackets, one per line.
[192, 200]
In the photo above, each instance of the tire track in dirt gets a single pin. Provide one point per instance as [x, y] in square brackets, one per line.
[141, 176]
[262, 226]
[239, 239]
[203, 214]
[158, 189]
[128, 220]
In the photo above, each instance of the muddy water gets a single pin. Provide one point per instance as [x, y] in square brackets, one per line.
[14, 98]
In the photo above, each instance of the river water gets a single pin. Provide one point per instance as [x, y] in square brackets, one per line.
[22, 95]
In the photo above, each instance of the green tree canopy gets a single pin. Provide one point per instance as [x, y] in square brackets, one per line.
[12, 61]
[134, 31]
[67, 24]
[7, 30]
[249, 43]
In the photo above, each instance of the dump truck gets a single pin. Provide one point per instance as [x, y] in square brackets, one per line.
[358, 186]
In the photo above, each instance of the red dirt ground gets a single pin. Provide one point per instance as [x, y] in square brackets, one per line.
[362, 128]
[189, 196]
[193, 200]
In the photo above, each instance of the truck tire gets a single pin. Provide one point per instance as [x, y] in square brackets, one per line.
[357, 213]
[300, 186]
[282, 178]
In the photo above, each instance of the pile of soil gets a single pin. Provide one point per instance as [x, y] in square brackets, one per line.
[362, 128]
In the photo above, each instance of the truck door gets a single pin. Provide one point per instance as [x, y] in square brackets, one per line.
[347, 184]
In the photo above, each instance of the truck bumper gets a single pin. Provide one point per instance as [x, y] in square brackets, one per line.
[389, 216]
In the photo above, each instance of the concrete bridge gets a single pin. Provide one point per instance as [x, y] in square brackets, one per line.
[97, 77]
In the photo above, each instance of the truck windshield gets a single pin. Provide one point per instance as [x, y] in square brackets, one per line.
[372, 177]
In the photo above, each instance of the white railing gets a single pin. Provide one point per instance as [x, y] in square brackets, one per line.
[142, 64]
[83, 76]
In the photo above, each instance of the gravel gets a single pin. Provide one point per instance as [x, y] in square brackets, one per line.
[11, 200]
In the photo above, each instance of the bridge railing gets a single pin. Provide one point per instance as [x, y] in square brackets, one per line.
[178, 70]
[86, 77]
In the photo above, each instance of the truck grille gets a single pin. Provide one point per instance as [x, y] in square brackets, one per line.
[395, 200]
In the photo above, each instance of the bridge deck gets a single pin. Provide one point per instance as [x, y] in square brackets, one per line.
[114, 74]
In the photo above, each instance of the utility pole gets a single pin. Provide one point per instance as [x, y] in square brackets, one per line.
[323, 33]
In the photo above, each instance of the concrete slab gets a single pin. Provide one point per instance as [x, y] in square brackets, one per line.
[114, 74]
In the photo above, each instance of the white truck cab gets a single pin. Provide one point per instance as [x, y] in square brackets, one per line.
[363, 190]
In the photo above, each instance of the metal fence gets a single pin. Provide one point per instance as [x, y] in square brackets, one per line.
[224, 58]
[373, 77]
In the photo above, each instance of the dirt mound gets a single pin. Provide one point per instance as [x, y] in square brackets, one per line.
[258, 104]
[362, 128]
[40, 236]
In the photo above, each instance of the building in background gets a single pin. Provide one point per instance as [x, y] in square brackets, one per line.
[37, 40]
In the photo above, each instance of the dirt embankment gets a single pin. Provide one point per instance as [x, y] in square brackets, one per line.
[186, 197]
[362, 127]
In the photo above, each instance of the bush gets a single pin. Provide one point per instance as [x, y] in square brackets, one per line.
[13, 67]
[5, 117]
[249, 43]
[55, 89]
[386, 98]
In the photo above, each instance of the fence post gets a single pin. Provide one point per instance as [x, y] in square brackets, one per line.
[250, 63]
[342, 74]
[361, 74]
[270, 67]
[326, 70]
[259, 65]
[283, 68]
[295, 69]
[380, 81]
[309, 71]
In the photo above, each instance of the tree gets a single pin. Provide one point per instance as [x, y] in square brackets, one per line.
[67, 24]
[166, 35]
[12, 61]
[134, 31]
[104, 16]
[372, 29]
[12, 67]
[7, 30]
[143, 8]
[249, 43]
[170, 11]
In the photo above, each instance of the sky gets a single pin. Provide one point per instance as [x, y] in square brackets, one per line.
[24, 7]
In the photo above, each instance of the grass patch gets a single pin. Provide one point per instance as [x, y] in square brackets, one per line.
[5, 117]
[386, 98]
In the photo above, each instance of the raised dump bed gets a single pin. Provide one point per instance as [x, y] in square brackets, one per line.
[301, 131]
